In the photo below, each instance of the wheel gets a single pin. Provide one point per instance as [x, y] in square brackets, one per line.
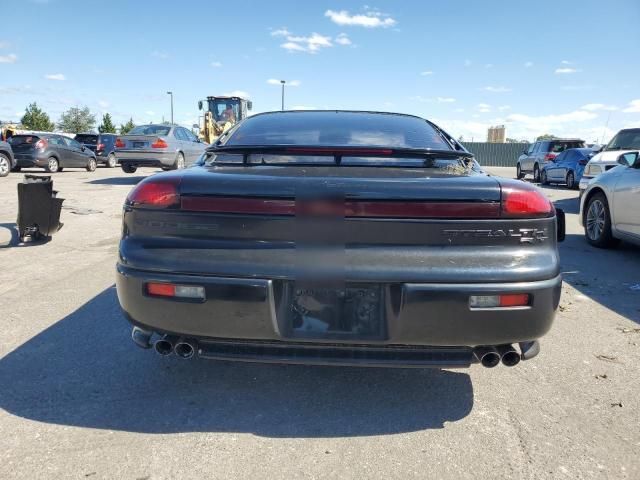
[91, 165]
[128, 168]
[597, 222]
[5, 165]
[112, 161]
[543, 178]
[179, 163]
[571, 181]
[519, 174]
[536, 173]
[53, 165]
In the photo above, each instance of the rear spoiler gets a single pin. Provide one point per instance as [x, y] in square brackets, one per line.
[337, 152]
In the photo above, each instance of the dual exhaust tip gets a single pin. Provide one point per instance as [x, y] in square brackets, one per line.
[182, 347]
[490, 357]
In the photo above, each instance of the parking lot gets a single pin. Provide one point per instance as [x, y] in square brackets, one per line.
[80, 400]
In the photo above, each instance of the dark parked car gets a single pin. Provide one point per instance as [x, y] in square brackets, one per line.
[103, 144]
[567, 167]
[542, 152]
[169, 147]
[52, 152]
[337, 237]
[7, 162]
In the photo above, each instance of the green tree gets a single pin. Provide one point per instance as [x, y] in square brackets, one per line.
[107, 125]
[127, 127]
[546, 136]
[35, 118]
[77, 120]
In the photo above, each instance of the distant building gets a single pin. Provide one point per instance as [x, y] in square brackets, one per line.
[496, 134]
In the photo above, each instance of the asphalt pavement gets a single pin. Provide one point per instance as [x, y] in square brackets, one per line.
[79, 400]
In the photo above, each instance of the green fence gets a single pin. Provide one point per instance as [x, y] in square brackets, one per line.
[496, 154]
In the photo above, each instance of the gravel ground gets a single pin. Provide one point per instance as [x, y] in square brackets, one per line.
[79, 400]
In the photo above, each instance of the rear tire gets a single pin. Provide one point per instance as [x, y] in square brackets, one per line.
[112, 161]
[597, 222]
[53, 165]
[128, 168]
[519, 174]
[536, 173]
[91, 165]
[571, 181]
[543, 178]
[179, 163]
[5, 165]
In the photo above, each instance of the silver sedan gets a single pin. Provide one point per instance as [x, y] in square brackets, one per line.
[169, 147]
[610, 206]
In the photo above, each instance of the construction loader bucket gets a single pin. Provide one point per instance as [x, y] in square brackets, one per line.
[38, 207]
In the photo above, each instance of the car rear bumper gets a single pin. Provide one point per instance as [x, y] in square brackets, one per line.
[27, 160]
[145, 158]
[424, 323]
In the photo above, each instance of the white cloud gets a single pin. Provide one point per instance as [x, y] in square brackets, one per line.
[566, 70]
[310, 44]
[103, 104]
[343, 39]
[151, 113]
[4, 45]
[10, 58]
[502, 108]
[216, 64]
[290, 83]
[594, 107]
[445, 99]
[565, 62]
[459, 110]
[426, 73]
[280, 32]
[499, 89]
[484, 108]
[158, 54]
[467, 63]
[634, 106]
[370, 19]
[528, 64]
[572, 88]
[55, 76]
[237, 93]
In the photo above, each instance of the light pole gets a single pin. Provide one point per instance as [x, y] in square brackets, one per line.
[283, 82]
[171, 93]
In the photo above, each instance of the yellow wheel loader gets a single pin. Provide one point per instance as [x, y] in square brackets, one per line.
[220, 114]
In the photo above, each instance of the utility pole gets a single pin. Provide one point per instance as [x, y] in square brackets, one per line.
[283, 82]
[171, 93]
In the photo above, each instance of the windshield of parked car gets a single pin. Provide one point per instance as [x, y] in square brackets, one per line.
[87, 139]
[625, 140]
[150, 130]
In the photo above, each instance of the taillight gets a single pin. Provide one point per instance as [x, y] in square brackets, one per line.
[155, 193]
[583, 162]
[100, 147]
[195, 292]
[550, 156]
[42, 143]
[159, 143]
[525, 202]
[120, 143]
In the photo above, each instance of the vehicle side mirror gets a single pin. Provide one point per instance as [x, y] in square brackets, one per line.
[249, 105]
[199, 104]
[83, 148]
[628, 159]
[195, 125]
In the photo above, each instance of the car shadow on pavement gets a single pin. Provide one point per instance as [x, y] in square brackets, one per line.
[85, 371]
[129, 180]
[569, 205]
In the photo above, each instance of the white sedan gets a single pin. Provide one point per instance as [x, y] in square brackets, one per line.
[610, 205]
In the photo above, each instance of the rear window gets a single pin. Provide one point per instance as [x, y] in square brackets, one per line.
[561, 146]
[337, 129]
[88, 139]
[150, 130]
[23, 139]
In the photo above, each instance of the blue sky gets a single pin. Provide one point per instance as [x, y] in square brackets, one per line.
[561, 67]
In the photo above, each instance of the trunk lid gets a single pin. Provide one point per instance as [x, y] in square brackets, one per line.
[139, 141]
[23, 143]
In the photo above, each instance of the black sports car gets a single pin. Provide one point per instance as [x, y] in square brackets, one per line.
[339, 237]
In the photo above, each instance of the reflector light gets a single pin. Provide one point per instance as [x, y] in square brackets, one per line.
[499, 301]
[120, 143]
[177, 291]
[155, 193]
[159, 143]
[100, 147]
[523, 202]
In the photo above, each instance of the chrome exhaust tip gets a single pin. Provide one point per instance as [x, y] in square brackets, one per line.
[509, 355]
[487, 356]
[163, 346]
[185, 349]
[141, 337]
